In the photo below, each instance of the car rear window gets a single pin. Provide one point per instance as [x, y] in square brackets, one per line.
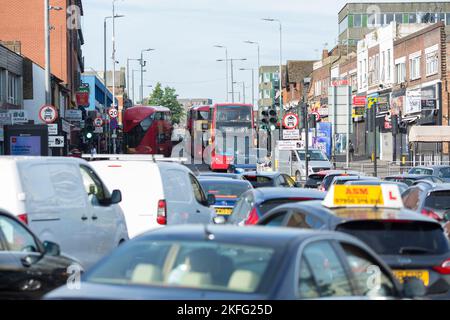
[408, 182]
[225, 190]
[314, 180]
[259, 181]
[399, 237]
[421, 171]
[271, 204]
[439, 200]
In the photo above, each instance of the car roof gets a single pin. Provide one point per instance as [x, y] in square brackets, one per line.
[334, 172]
[377, 182]
[42, 159]
[357, 178]
[270, 174]
[408, 175]
[255, 235]
[356, 213]
[440, 187]
[220, 180]
[431, 167]
[264, 194]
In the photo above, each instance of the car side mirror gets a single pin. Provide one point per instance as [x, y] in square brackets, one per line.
[211, 199]
[414, 288]
[116, 197]
[298, 185]
[219, 220]
[51, 248]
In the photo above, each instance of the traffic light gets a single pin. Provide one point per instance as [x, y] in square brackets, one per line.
[312, 121]
[303, 117]
[264, 119]
[273, 118]
[89, 129]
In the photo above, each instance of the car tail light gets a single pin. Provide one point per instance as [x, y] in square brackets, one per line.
[444, 268]
[162, 213]
[23, 218]
[252, 217]
[431, 214]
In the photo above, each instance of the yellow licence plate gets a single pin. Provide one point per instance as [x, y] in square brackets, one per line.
[224, 211]
[420, 274]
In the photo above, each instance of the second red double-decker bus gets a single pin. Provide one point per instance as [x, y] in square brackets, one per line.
[148, 130]
[232, 134]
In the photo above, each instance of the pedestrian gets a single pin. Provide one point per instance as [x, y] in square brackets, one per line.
[351, 150]
[93, 150]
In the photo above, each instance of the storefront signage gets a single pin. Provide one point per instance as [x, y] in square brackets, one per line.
[82, 96]
[5, 118]
[18, 116]
[359, 101]
[413, 102]
[73, 115]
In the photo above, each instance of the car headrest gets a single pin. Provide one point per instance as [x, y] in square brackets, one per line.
[196, 279]
[244, 280]
[146, 274]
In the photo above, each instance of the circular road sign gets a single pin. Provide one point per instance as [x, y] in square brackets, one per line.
[98, 122]
[48, 114]
[317, 114]
[113, 112]
[290, 121]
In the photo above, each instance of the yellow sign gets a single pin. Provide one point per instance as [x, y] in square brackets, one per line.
[224, 211]
[371, 102]
[357, 195]
[423, 275]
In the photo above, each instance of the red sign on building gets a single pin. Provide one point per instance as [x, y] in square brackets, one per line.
[340, 83]
[82, 99]
[359, 101]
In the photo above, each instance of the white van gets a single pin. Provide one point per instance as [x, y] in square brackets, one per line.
[156, 193]
[64, 201]
[292, 162]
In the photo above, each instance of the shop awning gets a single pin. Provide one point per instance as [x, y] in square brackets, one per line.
[429, 134]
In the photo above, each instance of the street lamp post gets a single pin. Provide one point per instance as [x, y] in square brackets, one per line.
[47, 8]
[280, 70]
[128, 74]
[232, 76]
[253, 82]
[226, 66]
[259, 65]
[142, 73]
[243, 90]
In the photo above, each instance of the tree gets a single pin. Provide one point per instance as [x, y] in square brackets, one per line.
[167, 98]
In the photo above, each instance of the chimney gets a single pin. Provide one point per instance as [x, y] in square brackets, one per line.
[324, 54]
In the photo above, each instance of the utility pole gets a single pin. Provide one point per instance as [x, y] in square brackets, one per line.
[143, 64]
[232, 74]
[226, 67]
[305, 106]
[48, 98]
[374, 122]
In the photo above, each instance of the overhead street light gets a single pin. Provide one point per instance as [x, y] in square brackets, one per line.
[142, 73]
[232, 79]
[226, 66]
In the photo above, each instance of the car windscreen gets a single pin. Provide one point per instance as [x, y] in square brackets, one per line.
[398, 237]
[203, 265]
[224, 189]
[260, 181]
[314, 180]
[444, 173]
[439, 200]
[315, 155]
[421, 171]
[329, 179]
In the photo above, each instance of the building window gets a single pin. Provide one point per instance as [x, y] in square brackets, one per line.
[399, 17]
[317, 88]
[13, 89]
[412, 17]
[401, 72]
[414, 67]
[357, 20]
[428, 17]
[2, 85]
[389, 18]
[448, 19]
[432, 63]
[343, 25]
[266, 77]
[266, 94]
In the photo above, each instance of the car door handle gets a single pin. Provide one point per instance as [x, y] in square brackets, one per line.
[84, 218]
[26, 261]
[198, 211]
[94, 217]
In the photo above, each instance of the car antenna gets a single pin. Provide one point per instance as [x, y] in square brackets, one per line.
[208, 234]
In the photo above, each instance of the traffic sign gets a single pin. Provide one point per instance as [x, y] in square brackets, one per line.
[317, 114]
[53, 129]
[48, 114]
[290, 121]
[56, 141]
[291, 134]
[290, 145]
[113, 112]
[98, 122]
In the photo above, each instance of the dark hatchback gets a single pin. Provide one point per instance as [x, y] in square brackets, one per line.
[411, 244]
[230, 263]
[409, 179]
[269, 179]
[328, 179]
[255, 203]
[29, 268]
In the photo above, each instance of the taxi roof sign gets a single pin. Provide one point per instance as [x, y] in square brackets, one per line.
[382, 196]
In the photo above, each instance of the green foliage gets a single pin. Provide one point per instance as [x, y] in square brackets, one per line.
[167, 97]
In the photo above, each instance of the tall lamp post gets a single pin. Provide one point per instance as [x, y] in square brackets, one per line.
[259, 65]
[143, 63]
[226, 66]
[280, 70]
[232, 77]
[243, 89]
[128, 74]
[47, 8]
[132, 84]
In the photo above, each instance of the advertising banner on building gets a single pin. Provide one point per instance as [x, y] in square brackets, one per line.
[322, 139]
[413, 103]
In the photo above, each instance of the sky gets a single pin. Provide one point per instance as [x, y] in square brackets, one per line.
[184, 32]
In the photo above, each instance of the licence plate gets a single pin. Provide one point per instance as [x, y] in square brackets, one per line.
[224, 211]
[420, 274]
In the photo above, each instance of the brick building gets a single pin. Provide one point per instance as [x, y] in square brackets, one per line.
[23, 22]
[294, 74]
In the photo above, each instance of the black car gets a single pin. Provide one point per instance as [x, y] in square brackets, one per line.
[409, 179]
[411, 244]
[231, 263]
[269, 179]
[234, 176]
[29, 268]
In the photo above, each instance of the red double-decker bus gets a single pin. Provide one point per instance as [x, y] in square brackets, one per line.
[148, 130]
[232, 133]
[198, 123]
